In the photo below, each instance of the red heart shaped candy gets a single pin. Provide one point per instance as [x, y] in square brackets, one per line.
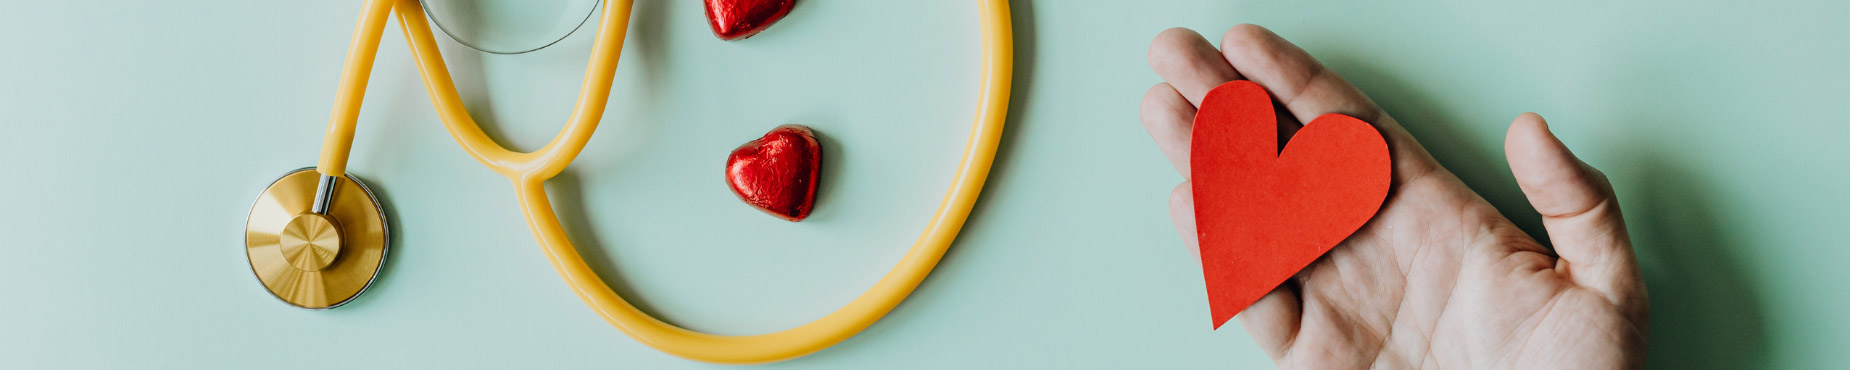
[777, 173]
[1261, 214]
[737, 19]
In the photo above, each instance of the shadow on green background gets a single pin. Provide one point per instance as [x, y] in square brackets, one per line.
[648, 34]
[1705, 313]
[1704, 310]
[1021, 13]
[568, 191]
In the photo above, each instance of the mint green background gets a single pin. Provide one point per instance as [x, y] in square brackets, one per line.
[136, 134]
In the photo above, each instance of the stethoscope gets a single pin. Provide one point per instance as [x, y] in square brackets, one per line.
[317, 237]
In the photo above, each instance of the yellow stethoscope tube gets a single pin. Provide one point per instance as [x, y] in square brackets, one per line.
[529, 171]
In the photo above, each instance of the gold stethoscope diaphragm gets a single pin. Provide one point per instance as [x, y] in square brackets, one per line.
[313, 259]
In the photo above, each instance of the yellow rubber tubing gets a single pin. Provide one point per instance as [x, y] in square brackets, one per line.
[529, 171]
[338, 141]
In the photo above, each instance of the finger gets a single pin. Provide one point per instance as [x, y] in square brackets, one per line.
[1307, 89]
[1578, 208]
[1189, 63]
[1293, 77]
[1273, 320]
[1182, 211]
[1170, 120]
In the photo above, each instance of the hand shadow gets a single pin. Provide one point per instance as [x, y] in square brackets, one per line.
[1480, 166]
[1704, 310]
[1705, 314]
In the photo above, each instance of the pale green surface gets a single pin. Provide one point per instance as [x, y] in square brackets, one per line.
[138, 133]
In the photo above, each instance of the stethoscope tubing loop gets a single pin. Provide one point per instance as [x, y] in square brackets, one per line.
[529, 171]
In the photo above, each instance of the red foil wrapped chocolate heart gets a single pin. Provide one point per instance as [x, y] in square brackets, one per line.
[737, 19]
[777, 173]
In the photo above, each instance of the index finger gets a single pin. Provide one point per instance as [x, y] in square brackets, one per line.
[1297, 80]
[1308, 89]
[1189, 63]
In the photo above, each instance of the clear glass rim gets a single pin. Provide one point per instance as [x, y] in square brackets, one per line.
[446, 30]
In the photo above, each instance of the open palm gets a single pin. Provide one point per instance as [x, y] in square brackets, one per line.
[1438, 278]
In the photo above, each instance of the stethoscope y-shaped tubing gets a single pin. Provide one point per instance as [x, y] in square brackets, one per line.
[528, 171]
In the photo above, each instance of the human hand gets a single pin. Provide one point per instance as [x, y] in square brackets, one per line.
[1438, 278]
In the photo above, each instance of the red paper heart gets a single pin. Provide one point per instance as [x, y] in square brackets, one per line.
[1262, 215]
[777, 173]
[737, 19]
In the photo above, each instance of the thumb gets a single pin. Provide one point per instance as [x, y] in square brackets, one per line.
[1578, 208]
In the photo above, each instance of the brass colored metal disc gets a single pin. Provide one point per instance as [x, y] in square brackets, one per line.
[311, 260]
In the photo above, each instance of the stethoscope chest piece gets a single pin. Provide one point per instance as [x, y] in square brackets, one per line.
[316, 257]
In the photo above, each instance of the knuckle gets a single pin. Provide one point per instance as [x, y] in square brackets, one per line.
[1598, 179]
